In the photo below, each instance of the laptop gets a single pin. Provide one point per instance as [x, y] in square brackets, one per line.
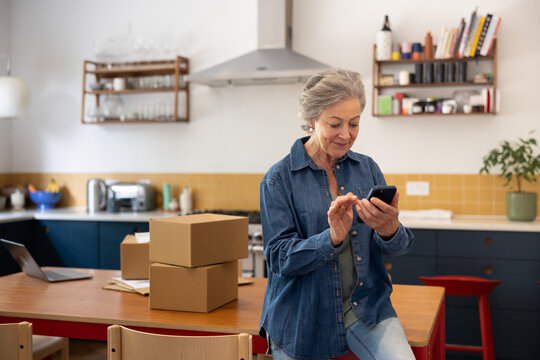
[31, 268]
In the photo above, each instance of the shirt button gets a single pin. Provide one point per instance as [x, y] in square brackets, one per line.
[337, 292]
[358, 258]
[337, 166]
[360, 283]
[342, 188]
[335, 267]
[355, 303]
[354, 232]
[326, 193]
[339, 317]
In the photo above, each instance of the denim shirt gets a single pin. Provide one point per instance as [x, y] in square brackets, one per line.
[303, 308]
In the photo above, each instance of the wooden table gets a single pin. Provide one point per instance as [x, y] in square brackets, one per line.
[82, 309]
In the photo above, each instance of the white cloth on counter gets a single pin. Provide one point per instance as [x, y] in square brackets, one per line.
[438, 214]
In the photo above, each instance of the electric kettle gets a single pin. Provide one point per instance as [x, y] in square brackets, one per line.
[96, 195]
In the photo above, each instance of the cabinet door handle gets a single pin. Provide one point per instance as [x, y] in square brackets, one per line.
[136, 230]
[388, 265]
[488, 241]
[488, 270]
[46, 229]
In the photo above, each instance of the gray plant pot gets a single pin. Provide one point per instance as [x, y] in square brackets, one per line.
[521, 206]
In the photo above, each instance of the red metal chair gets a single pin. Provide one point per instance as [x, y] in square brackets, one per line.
[470, 286]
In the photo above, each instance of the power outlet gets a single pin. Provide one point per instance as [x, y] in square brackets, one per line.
[418, 188]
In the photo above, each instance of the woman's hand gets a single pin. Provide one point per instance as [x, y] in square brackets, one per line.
[340, 217]
[380, 216]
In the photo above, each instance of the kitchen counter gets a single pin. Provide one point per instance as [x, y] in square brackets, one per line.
[473, 222]
[458, 222]
[80, 214]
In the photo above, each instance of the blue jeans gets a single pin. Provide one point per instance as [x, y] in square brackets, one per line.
[384, 341]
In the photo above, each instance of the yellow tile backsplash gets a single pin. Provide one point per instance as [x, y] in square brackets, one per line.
[464, 194]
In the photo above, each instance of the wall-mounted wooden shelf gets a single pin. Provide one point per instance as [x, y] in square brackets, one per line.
[100, 73]
[379, 89]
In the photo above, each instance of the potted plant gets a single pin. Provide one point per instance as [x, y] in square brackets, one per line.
[517, 161]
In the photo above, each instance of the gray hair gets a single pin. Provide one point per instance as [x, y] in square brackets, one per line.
[328, 88]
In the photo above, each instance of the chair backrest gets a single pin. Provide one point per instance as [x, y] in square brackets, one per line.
[16, 341]
[124, 343]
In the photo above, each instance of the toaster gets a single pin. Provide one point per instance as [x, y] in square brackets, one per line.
[130, 197]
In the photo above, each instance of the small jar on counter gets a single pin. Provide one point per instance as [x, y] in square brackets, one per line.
[186, 201]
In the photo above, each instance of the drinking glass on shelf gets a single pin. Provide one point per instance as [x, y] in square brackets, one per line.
[168, 81]
[170, 111]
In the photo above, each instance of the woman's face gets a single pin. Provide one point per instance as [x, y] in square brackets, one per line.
[337, 127]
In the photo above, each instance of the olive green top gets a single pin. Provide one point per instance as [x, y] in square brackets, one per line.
[349, 277]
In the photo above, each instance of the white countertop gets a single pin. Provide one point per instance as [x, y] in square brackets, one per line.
[80, 214]
[458, 222]
[473, 222]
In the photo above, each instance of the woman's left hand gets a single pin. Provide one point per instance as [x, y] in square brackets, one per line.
[380, 216]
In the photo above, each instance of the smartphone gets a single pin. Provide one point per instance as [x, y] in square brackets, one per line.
[384, 192]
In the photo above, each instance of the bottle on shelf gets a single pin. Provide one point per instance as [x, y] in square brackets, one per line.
[396, 52]
[428, 46]
[384, 41]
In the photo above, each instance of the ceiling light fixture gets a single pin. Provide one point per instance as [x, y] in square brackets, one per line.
[14, 94]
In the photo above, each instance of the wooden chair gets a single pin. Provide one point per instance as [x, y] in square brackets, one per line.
[124, 343]
[17, 343]
[45, 346]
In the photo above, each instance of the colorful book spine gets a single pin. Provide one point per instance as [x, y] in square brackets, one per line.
[483, 34]
[472, 33]
[451, 38]
[461, 29]
[479, 28]
[466, 34]
[490, 36]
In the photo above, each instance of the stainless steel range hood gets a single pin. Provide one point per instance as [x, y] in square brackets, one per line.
[273, 62]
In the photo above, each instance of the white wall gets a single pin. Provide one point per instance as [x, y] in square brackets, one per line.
[246, 129]
[5, 48]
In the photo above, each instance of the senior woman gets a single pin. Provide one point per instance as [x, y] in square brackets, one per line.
[328, 289]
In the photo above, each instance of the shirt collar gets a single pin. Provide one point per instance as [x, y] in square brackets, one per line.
[300, 159]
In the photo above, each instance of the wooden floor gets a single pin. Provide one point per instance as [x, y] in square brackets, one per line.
[87, 350]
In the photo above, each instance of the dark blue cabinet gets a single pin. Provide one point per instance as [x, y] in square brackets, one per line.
[111, 235]
[29, 233]
[89, 244]
[513, 257]
[75, 241]
[421, 260]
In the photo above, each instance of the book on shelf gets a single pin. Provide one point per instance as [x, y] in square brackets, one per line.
[440, 43]
[483, 34]
[461, 29]
[472, 34]
[466, 34]
[487, 97]
[490, 35]
[479, 28]
[451, 39]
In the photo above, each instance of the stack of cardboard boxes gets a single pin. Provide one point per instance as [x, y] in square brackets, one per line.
[193, 260]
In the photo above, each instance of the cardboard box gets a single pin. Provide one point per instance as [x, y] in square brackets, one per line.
[134, 258]
[198, 240]
[200, 289]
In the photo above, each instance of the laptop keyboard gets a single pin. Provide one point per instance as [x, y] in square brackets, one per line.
[52, 275]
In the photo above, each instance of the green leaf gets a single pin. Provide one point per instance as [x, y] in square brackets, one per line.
[515, 159]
